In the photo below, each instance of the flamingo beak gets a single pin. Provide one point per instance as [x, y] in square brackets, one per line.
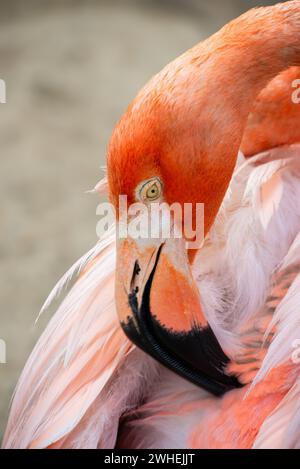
[159, 309]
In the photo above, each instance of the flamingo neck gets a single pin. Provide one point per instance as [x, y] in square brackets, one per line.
[230, 70]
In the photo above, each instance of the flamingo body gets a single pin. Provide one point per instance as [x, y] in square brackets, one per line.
[86, 385]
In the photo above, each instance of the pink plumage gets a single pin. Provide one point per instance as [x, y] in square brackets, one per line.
[86, 385]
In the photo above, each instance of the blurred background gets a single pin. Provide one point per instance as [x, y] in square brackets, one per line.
[71, 68]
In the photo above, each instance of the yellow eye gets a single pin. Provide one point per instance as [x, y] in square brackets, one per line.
[151, 190]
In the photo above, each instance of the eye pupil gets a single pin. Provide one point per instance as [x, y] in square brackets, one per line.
[153, 191]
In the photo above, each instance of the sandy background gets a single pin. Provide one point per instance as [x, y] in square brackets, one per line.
[71, 68]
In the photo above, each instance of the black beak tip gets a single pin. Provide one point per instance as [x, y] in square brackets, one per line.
[195, 355]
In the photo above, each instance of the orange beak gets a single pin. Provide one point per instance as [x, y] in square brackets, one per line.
[159, 309]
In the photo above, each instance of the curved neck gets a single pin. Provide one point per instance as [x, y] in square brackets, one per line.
[246, 54]
[234, 65]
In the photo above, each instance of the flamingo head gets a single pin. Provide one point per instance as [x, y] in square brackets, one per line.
[162, 153]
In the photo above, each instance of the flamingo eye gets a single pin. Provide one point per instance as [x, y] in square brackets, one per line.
[151, 190]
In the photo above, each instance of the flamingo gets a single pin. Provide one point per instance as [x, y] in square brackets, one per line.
[209, 354]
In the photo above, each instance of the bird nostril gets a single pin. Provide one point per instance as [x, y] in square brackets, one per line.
[135, 273]
[136, 269]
